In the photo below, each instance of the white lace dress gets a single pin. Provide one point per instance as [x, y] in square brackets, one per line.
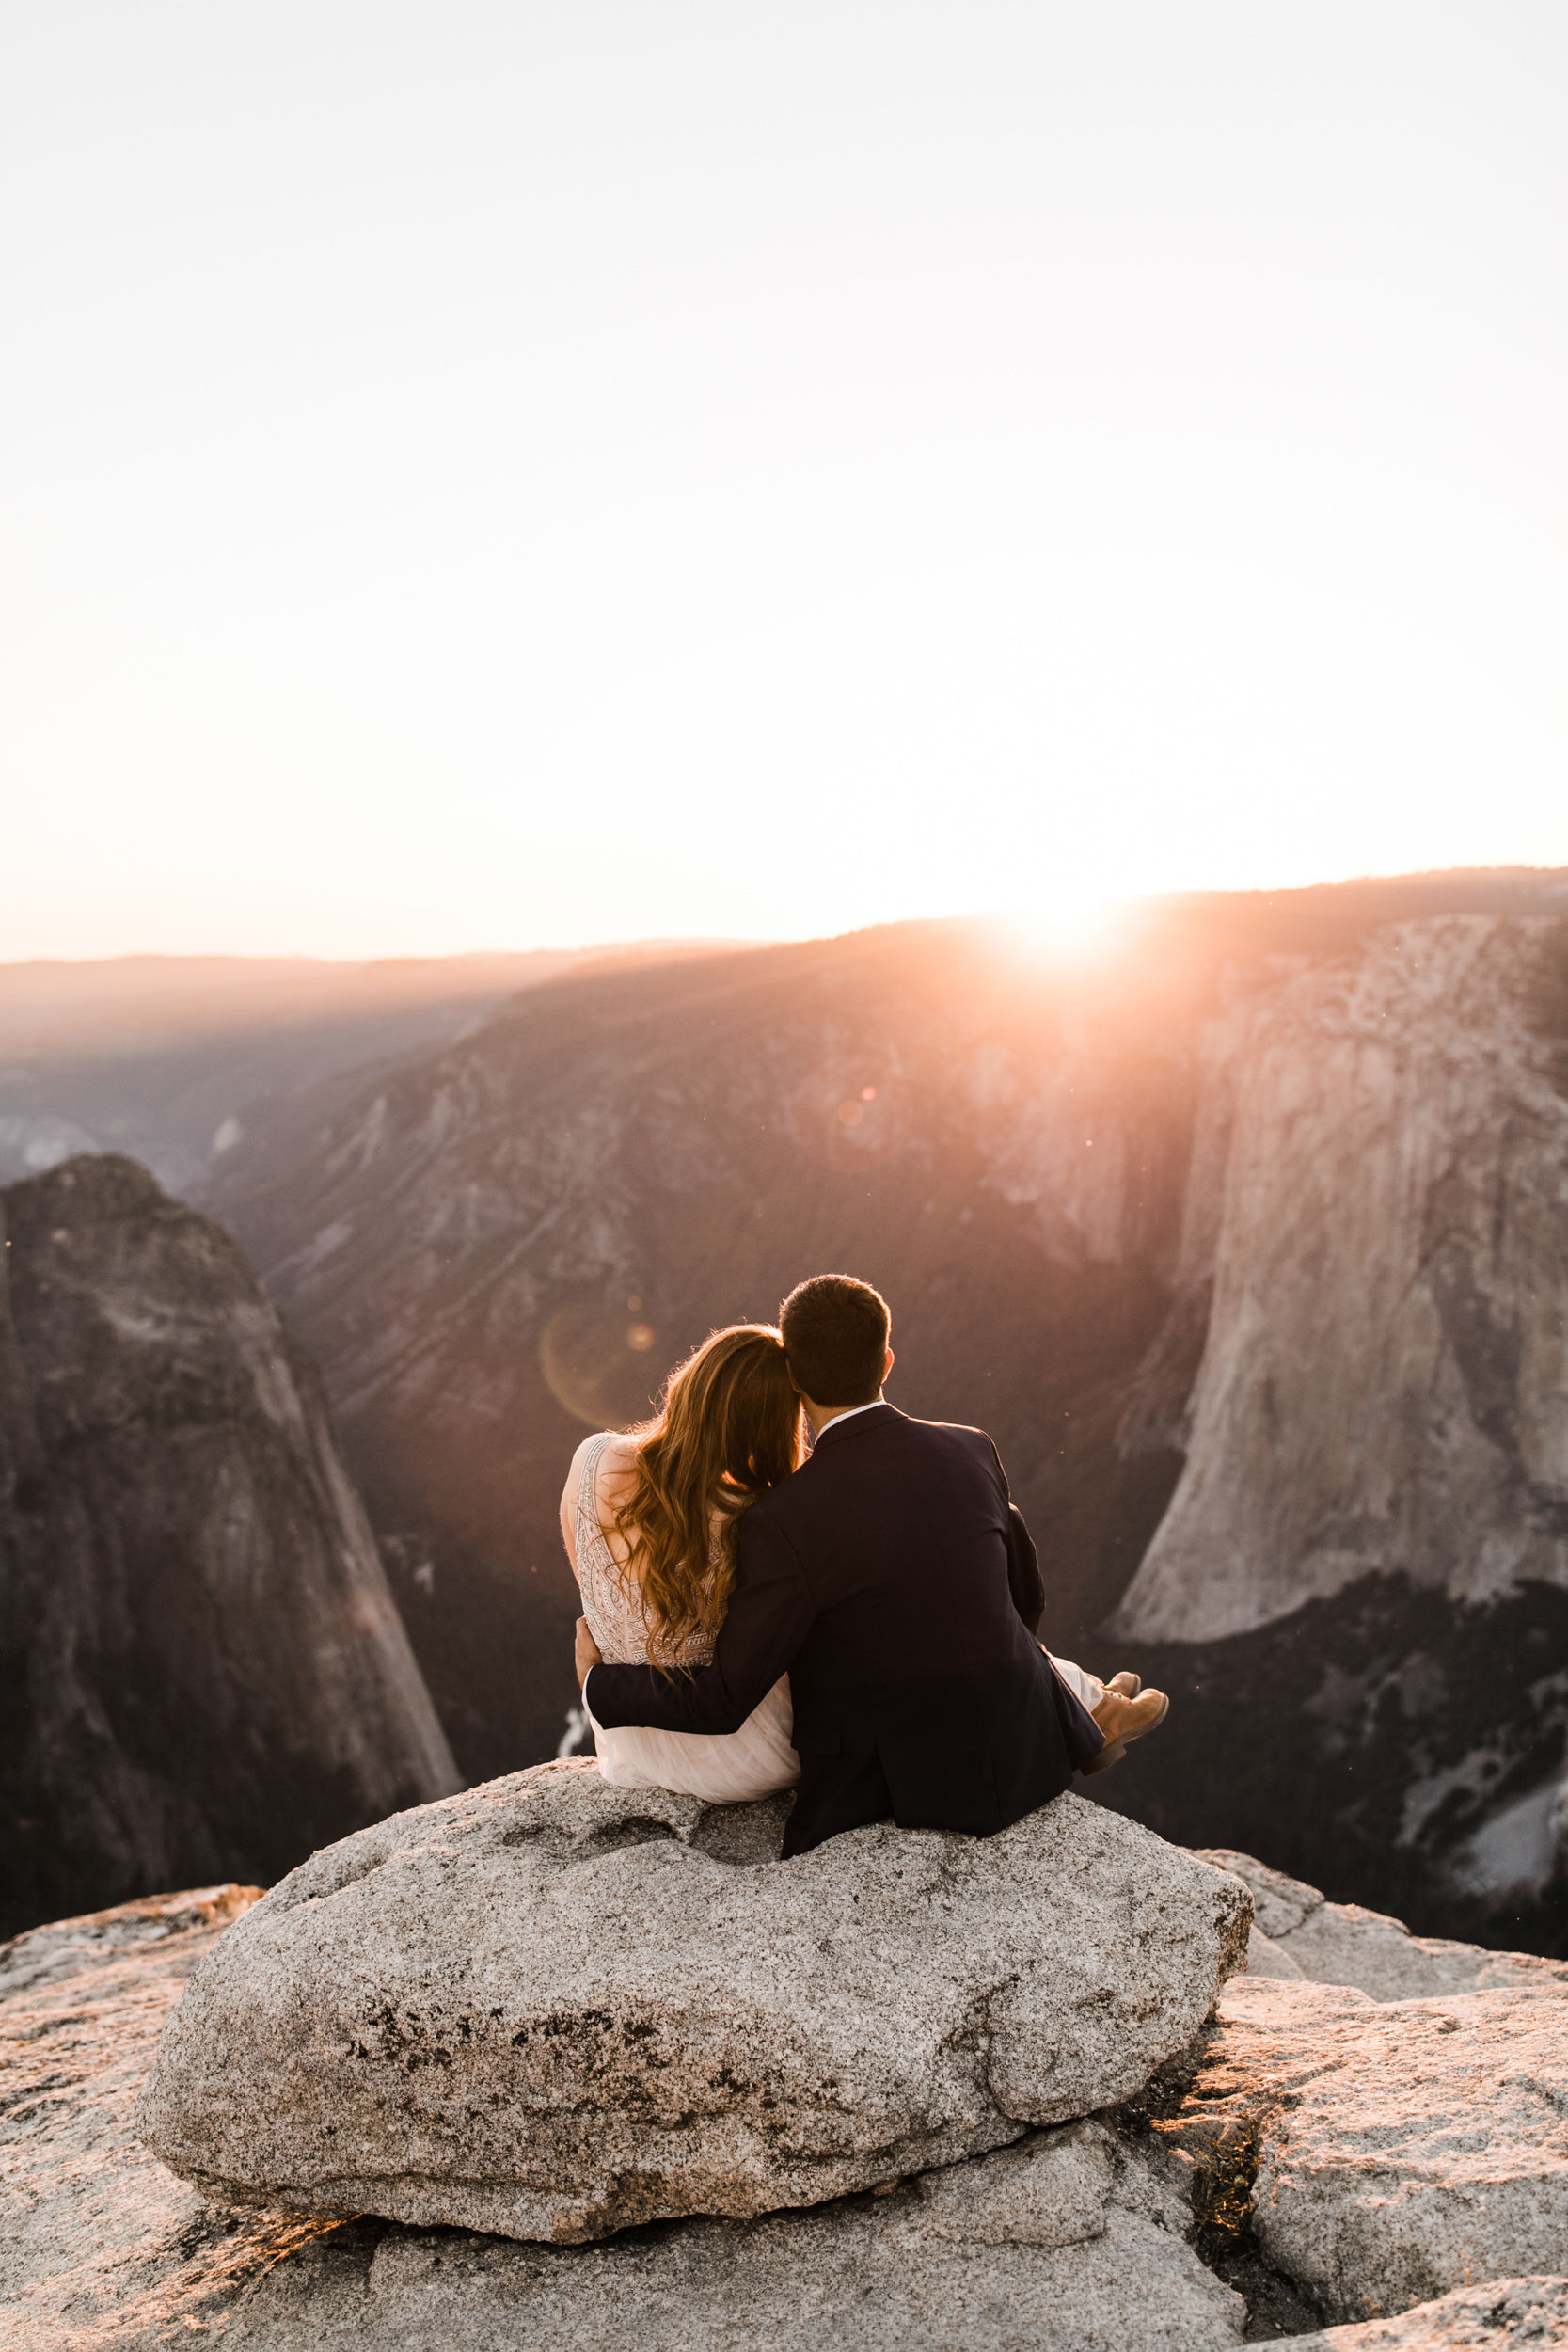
[730, 1768]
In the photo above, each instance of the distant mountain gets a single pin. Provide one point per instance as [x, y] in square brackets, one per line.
[1247, 1241]
[171, 1058]
[201, 1667]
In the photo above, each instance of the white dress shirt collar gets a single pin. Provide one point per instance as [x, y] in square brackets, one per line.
[848, 1414]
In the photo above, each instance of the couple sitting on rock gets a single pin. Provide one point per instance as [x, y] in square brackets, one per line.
[859, 1624]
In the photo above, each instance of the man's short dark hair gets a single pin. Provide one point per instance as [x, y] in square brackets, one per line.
[836, 1332]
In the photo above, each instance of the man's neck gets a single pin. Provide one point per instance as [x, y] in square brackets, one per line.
[822, 1416]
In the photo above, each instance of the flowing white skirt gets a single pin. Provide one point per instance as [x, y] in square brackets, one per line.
[728, 1768]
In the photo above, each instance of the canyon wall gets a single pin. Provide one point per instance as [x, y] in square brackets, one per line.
[1378, 1213]
[203, 1670]
[1360, 1585]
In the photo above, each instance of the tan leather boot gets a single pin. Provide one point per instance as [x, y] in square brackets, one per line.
[1123, 1720]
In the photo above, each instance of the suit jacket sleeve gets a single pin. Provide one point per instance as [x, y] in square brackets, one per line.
[770, 1610]
[1023, 1566]
[1024, 1571]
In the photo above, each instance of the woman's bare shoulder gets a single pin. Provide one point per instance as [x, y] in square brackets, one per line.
[616, 1464]
[617, 1448]
[609, 1441]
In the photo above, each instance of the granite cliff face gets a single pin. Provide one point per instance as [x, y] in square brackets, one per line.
[1362, 1574]
[202, 1666]
[1363, 1569]
[1248, 1242]
[1379, 1191]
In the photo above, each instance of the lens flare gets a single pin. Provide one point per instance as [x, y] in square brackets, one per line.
[598, 1365]
[852, 1112]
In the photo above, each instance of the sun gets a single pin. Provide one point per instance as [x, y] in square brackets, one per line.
[1065, 926]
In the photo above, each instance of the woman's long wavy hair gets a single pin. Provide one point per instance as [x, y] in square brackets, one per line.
[727, 1429]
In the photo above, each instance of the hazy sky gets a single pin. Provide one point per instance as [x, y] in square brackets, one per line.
[495, 475]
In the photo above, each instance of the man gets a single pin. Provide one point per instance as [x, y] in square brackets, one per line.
[895, 1581]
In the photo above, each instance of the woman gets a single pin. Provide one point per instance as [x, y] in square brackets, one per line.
[650, 1521]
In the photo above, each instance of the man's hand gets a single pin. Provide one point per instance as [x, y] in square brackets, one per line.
[587, 1652]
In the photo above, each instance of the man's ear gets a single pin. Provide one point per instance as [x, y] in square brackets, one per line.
[892, 1360]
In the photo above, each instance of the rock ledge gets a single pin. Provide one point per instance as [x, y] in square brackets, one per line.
[553, 2009]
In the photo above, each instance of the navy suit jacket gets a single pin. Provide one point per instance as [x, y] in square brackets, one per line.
[894, 1579]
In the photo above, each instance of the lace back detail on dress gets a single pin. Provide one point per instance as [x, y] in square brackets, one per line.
[610, 1602]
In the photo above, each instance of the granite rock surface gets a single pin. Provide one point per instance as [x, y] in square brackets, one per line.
[1296, 1935]
[895, 2274]
[1525, 2312]
[1085, 2236]
[96, 2237]
[1389, 2153]
[556, 2009]
[1071, 2240]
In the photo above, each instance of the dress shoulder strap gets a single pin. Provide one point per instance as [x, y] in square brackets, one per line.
[592, 1455]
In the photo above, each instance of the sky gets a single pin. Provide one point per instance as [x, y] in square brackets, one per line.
[498, 475]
